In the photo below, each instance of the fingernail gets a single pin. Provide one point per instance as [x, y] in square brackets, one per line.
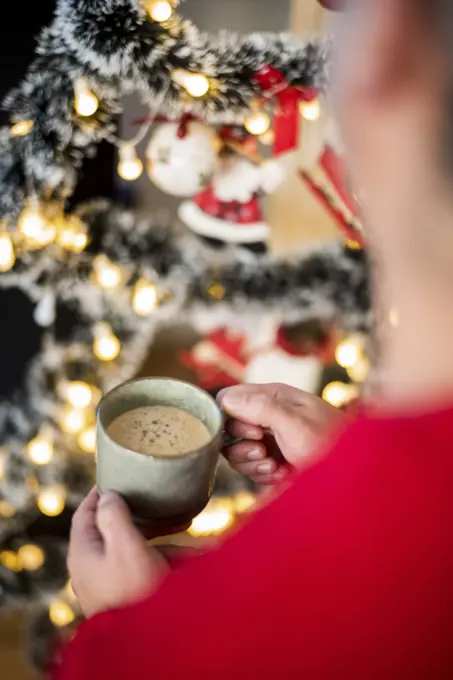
[256, 454]
[264, 468]
[107, 498]
[232, 400]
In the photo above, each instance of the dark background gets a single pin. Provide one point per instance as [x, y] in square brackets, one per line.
[20, 337]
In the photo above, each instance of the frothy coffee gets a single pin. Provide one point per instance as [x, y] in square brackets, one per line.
[159, 431]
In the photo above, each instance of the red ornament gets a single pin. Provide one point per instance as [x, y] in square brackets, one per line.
[287, 118]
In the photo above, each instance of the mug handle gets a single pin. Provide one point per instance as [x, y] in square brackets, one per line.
[228, 440]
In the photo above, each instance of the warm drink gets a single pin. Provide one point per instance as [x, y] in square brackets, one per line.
[159, 431]
[158, 446]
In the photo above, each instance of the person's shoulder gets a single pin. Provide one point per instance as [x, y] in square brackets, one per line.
[392, 439]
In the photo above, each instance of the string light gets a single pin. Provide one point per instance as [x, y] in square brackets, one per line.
[51, 500]
[349, 351]
[85, 101]
[267, 138]
[10, 560]
[31, 557]
[69, 591]
[360, 371]
[214, 519]
[338, 394]
[144, 299]
[195, 84]
[71, 234]
[394, 318]
[159, 10]
[72, 420]
[108, 275]
[22, 128]
[243, 501]
[60, 613]
[2, 464]
[106, 345]
[7, 254]
[87, 440]
[34, 226]
[40, 450]
[79, 394]
[6, 510]
[257, 122]
[353, 245]
[130, 166]
[216, 291]
[310, 110]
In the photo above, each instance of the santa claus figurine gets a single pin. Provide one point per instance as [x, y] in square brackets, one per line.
[229, 211]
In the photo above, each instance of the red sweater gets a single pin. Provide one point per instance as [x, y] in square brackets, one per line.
[349, 574]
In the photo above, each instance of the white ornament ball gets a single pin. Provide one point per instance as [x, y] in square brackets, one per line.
[182, 166]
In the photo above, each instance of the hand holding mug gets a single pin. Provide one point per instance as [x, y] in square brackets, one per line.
[277, 425]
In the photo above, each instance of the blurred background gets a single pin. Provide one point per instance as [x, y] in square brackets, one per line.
[322, 356]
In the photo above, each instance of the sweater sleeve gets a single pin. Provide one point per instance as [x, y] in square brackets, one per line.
[302, 590]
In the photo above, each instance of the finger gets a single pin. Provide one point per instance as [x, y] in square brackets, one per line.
[269, 480]
[245, 451]
[84, 530]
[173, 553]
[261, 406]
[264, 468]
[240, 430]
[116, 526]
[278, 391]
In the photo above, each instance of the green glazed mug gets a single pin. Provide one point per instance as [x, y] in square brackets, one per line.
[159, 490]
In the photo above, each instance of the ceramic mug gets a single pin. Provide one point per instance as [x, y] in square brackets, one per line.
[159, 490]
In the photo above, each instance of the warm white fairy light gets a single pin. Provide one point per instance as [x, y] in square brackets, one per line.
[71, 234]
[79, 394]
[22, 128]
[68, 591]
[60, 613]
[144, 298]
[159, 10]
[243, 501]
[72, 420]
[51, 500]
[87, 439]
[217, 517]
[108, 274]
[7, 254]
[267, 138]
[130, 167]
[34, 225]
[40, 450]
[195, 84]
[6, 510]
[311, 111]
[257, 122]
[394, 318]
[349, 351]
[339, 394]
[360, 371]
[10, 560]
[31, 557]
[106, 345]
[85, 101]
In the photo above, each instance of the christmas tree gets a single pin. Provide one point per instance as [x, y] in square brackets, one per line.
[102, 279]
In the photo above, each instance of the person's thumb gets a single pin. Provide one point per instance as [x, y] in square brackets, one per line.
[257, 407]
[116, 526]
